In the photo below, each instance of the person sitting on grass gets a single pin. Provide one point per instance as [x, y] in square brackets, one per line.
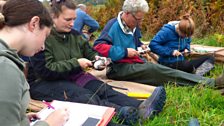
[22, 35]
[65, 58]
[82, 20]
[119, 41]
[172, 44]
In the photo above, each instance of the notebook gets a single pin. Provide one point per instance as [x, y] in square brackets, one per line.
[81, 114]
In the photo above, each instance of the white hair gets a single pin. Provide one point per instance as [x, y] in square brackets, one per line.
[81, 6]
[133, 6]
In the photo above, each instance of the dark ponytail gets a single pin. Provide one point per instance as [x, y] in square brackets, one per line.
[57, 6]
[18, 12]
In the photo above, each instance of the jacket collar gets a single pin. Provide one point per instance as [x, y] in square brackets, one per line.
[123, 25]
[60, 36]
[11, 54]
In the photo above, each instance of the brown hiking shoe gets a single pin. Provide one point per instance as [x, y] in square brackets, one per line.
[219, 82]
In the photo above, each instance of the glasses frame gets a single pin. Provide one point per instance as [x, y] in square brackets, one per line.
[136, 19]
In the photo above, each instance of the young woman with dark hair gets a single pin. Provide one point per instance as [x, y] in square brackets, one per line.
[24, 26]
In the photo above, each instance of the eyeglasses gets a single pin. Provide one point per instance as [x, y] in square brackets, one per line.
[137, 19]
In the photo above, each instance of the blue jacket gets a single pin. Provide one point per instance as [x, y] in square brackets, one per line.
[166, 41]
[113, 42]
[82, 19]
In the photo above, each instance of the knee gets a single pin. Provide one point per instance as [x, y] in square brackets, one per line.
[89, 99]
[189, 68]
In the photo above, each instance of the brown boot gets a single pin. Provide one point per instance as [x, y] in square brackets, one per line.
[219, 82]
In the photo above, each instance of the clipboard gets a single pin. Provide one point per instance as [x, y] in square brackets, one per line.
[80, 113]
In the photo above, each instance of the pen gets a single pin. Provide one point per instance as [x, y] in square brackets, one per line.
[119, 88]
[48, 104]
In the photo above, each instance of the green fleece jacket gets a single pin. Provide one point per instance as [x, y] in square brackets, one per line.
[14, 89]
[59, 60]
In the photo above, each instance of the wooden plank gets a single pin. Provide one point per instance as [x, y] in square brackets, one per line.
[201, 50]
[123, 86]
[35, 106]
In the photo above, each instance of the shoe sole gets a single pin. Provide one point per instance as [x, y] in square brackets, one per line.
[156, 102]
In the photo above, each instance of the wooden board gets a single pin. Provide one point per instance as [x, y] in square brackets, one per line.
[35, 106]
[201, 50]
[217, 52]
[127, 87]
[123, 86]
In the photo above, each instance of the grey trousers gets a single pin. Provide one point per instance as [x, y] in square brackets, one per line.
[155, 74]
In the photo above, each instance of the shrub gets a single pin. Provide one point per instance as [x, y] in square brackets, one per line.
[208, 15]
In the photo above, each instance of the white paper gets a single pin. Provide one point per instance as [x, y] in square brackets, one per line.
[78, 112]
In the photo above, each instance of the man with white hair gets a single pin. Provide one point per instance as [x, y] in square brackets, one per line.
[119, 40]
[83, 19]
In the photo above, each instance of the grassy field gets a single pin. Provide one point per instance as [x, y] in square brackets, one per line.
[184, 103]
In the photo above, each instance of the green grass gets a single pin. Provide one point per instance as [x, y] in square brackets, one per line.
[184, 103]
[211, 40]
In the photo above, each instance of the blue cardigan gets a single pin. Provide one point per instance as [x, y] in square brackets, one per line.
[82, 19]
[166, 41]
